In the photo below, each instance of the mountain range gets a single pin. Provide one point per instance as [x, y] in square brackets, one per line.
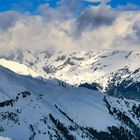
[70, 96]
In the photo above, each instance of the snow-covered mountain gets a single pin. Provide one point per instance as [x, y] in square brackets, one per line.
[113, 71]
[32, 108]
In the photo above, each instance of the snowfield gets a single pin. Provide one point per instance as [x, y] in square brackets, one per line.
[4, 138]
[38, 109]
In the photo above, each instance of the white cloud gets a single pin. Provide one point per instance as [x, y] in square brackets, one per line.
[103, 31]
[66, 9]
[102, 1]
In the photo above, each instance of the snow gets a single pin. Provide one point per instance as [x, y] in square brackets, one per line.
[87, 105]
[4, 138]
[17, 68]
[81, 104]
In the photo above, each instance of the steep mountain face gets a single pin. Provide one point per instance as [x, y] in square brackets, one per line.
[32, 108]
[112, 71]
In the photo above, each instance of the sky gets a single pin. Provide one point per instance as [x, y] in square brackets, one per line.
[69, 24]
[32, 5]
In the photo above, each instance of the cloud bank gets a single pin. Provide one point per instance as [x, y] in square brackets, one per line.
[98, 27]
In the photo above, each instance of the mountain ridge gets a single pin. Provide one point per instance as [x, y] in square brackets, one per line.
[113, 71]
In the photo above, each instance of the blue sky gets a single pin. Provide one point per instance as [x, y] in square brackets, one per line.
[114, 3]
[32, 5]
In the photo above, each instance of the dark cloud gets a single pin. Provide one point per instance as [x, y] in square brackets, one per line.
[8, 19]
[134, 36]
[131, 38]
[95, 17]
[136, 29]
